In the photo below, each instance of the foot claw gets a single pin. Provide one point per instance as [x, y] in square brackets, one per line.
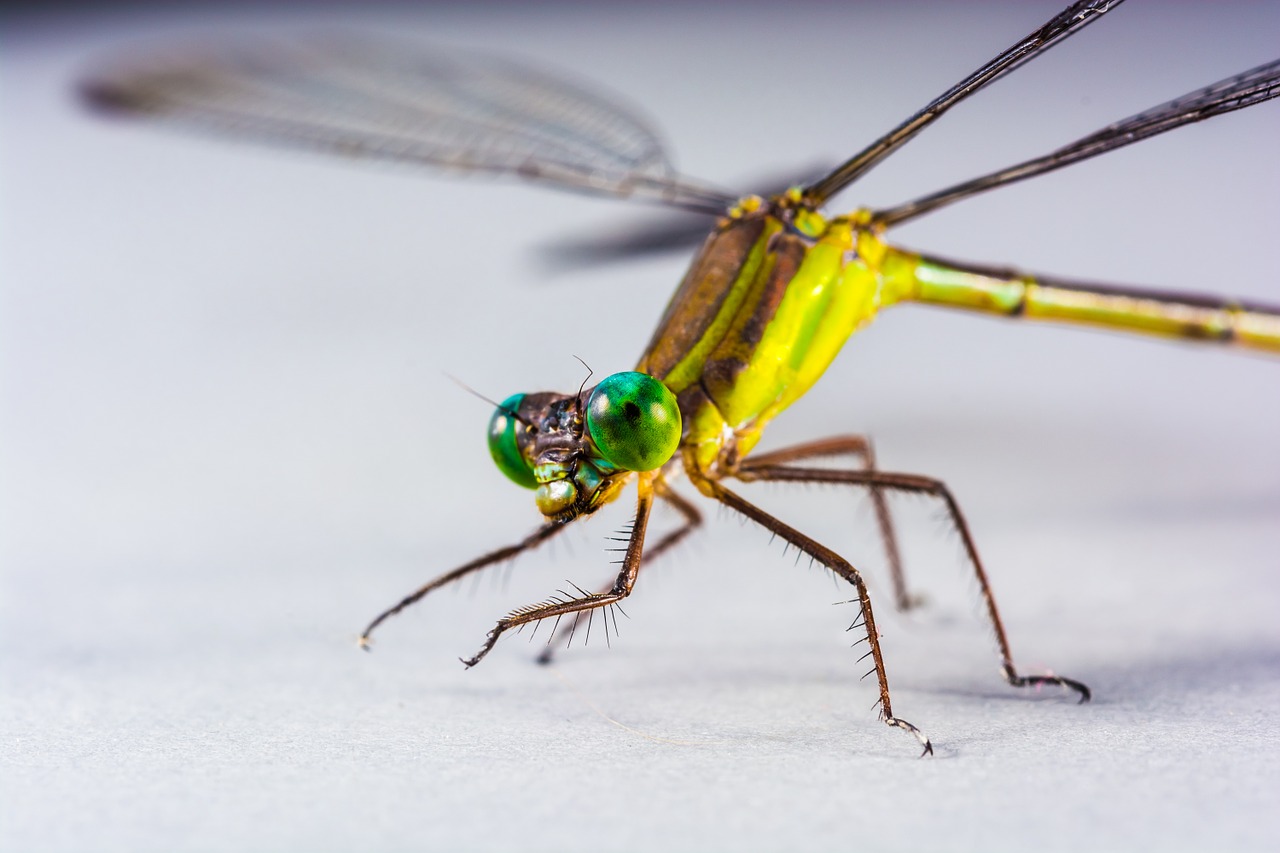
[1011, 676]
[920, 736]
[484, 650]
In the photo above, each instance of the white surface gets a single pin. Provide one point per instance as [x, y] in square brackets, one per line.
[228, 442]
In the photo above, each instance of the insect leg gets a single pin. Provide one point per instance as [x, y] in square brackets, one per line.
[565, 605]
[533, 540]
[692, 520]
[840, 566]
[929, 486]
[861, 447]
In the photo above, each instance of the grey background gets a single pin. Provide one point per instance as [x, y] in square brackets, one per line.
[228, 441]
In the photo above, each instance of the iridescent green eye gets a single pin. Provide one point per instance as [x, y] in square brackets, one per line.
[634, 421]
[502, 443]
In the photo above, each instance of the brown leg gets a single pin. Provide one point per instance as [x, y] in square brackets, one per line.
[861, 447]
[533, 540]
[840, 566]
[692, 519]
[563, 604]
[752, 470]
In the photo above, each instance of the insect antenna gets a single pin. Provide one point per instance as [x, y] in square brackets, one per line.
[585, 380]
[510, 411]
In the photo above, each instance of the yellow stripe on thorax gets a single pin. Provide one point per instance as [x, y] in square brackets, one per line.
[689, 369]
[753, 375]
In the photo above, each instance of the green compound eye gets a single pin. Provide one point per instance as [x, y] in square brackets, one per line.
[634, 421]
[503, 447]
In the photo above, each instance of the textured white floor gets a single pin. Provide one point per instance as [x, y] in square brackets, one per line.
[228, 441]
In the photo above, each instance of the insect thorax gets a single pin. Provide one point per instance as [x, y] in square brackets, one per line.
[767, 304]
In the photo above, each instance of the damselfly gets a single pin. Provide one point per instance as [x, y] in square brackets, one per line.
[769, 300]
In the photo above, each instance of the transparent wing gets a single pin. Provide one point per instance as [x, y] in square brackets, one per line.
[657, 233]
[375, 98]
[1057, 29]
[1234, 93]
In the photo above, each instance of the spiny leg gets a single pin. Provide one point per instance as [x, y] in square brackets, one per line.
[840, 566]
[861, 447]
[753, 470]
[567, 605]
[542, 534]
[692, 519]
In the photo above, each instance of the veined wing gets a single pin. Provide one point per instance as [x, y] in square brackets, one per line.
[382, 100]
[1234, 93]
[665, 231]
[1057, 29]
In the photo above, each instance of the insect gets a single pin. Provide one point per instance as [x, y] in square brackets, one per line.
[768, 302]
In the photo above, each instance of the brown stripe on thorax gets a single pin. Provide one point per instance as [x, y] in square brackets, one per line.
[701, 294]
[736, 349]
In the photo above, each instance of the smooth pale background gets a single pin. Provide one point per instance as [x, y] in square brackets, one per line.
[228, 442]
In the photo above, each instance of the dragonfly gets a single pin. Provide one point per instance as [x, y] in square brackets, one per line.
[770, 298]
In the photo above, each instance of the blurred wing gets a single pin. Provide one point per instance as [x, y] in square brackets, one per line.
[658, 233]
[382, 100]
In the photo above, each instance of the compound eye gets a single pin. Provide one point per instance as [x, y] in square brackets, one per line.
[503, 447]
[634, 421]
